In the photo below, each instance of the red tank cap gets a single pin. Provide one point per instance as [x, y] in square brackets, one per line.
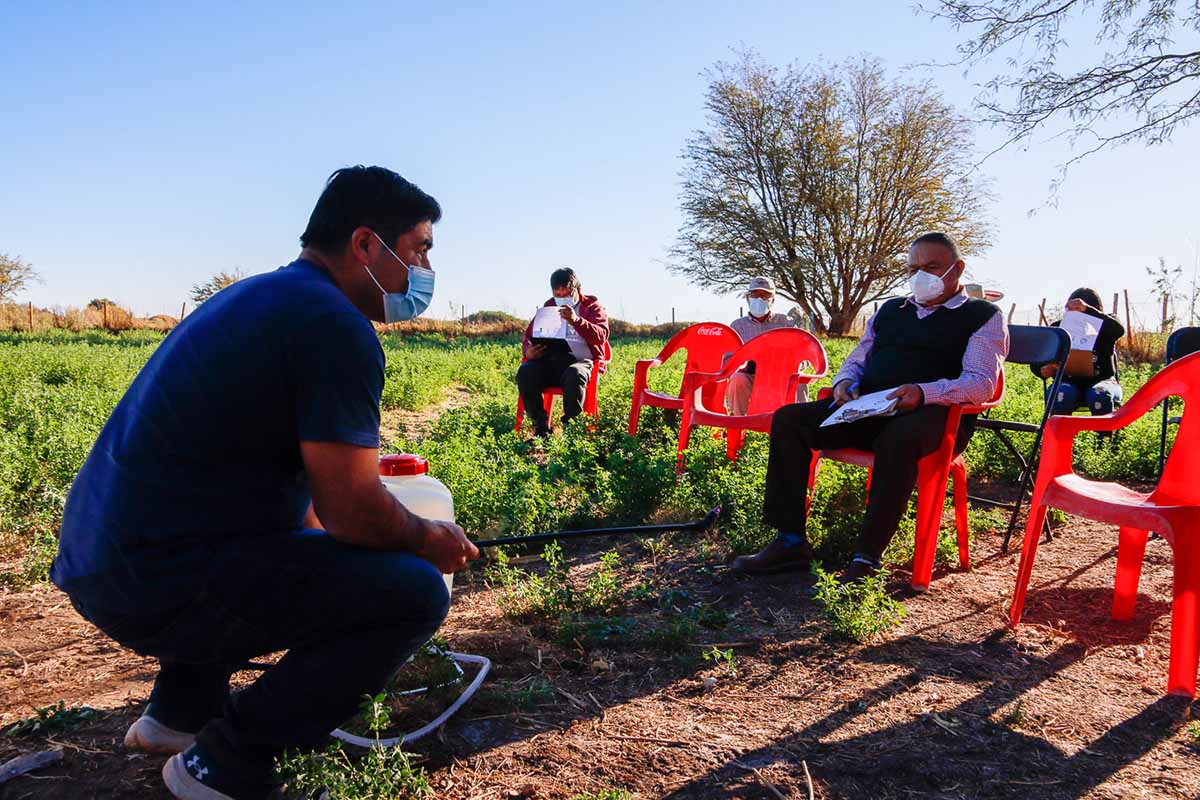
[403, 464]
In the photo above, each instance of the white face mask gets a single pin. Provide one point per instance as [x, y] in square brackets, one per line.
[564, 301]
[759, 307]
[927, 287]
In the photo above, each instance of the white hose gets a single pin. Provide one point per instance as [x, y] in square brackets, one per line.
[485, 666]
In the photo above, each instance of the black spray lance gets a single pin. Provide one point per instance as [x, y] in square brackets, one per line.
[696, 526]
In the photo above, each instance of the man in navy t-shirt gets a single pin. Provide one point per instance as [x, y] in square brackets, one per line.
[232, 507]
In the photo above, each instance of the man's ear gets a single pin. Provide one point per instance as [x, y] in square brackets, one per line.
[359, 247]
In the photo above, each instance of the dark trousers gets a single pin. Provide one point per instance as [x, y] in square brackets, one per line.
[897, 442]
[348, 617]
[550, 371]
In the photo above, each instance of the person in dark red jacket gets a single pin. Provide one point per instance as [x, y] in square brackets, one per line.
[570, 367]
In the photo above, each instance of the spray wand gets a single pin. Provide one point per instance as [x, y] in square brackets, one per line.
[695, 526]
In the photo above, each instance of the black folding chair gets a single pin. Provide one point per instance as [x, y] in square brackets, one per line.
[1179, 344]
[1028, 344]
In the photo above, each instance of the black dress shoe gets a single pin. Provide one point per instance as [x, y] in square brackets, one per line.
[778, 556]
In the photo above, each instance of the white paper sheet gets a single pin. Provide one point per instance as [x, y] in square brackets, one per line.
[1083, 329]
[875, 404]
[547, 324]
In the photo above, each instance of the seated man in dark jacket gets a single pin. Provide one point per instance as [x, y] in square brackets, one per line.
[569, 369]
[1099, 392]
[934, 348]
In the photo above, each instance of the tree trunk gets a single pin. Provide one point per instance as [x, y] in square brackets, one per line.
[841, 322]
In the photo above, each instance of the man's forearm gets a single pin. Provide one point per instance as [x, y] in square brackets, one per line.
[380, 522]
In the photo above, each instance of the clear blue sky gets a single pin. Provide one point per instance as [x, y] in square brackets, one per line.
[144, 148]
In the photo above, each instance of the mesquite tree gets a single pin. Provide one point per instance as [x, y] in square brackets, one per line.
[15, 276]
[820, 177]
[1138, 82]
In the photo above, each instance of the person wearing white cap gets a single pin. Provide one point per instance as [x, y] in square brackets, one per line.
[760, 297]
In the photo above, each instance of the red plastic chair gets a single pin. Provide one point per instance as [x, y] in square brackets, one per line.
[590, 406]
[777, 356]
[706, 344]
[932, 473]
[1172, 510]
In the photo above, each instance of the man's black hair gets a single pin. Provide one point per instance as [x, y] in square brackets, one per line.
[565, 278]
[944, 239]
[371, 197]
[1088, 296]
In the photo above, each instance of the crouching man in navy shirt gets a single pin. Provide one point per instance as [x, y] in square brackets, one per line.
[232, 507]
[934, 348]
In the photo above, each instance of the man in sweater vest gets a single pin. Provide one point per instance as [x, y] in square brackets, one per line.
[934, 348]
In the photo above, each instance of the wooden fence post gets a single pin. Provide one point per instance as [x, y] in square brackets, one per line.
[1164, 314]
[1128, 321]
[106, 316]
[672, 315]
[1042, 312]
[1116, 308]
[1010, 313]
[182, 309]
[31, 317]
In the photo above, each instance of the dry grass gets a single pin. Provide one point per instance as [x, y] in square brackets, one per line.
[16, 317]
[1143, 347]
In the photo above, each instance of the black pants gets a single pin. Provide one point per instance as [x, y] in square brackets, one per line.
[348, 617]
[897, 442]
[561, 371]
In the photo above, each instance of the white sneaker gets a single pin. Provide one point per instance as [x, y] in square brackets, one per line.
[148, 735]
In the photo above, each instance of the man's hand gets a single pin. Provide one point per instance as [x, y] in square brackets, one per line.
[1048, 370]
[844, 392]
[444, 545]
[568, 313]
[910, 396]
[535, 351]
[1075, 304]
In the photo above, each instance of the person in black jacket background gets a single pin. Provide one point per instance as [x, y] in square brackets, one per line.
[1100, 392]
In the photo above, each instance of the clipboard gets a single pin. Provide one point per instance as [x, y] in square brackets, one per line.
[1080, 364]
[553, 347]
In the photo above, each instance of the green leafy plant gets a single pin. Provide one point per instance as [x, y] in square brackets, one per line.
[55, 719]
[383, 773]
[719, 657]
[519, 696]
[591, 631]
[554, 594]
[859, 610]
[673, 637]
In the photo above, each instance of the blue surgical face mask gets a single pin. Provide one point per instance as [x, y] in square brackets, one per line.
[401, 306]
[564, 301]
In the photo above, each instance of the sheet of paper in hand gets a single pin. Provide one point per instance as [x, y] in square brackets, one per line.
[547, 324]
[875, 404]
[1083, 329]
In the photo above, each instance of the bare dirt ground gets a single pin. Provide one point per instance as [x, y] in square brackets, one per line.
[415, 425]
[953, 704]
